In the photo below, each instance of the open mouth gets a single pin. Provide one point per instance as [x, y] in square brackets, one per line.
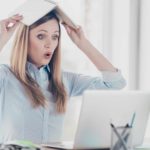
[47, 55]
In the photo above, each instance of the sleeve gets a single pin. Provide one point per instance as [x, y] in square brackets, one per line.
[3, 73]
[3, 76]
[76, 84]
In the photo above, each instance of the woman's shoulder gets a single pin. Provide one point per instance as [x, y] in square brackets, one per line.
[4, 67]
[4, 70]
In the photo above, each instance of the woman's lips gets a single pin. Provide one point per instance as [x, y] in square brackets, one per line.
[47, 55]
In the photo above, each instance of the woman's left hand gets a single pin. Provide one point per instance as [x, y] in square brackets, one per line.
[76, 35]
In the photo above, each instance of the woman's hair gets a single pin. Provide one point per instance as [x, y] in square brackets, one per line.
[18, 66]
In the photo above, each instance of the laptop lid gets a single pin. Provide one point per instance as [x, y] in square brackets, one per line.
[100, 108]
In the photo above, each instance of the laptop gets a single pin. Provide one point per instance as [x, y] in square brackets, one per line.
[99, 109]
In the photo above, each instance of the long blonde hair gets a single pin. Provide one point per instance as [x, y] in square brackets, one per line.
[18, 62]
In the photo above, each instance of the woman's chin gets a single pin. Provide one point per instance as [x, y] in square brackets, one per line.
[45, 62]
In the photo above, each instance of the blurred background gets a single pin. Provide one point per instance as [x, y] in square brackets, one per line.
[120, 29]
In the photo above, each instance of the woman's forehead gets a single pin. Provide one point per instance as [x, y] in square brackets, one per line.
[49, 26]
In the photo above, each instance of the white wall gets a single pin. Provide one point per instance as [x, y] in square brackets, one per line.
[144, 55]
[144, 74]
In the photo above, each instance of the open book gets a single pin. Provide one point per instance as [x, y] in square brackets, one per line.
[33, 10]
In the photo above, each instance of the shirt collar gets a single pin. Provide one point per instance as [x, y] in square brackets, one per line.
[32, 67]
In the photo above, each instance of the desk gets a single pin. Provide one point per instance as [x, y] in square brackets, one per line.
[74, 149]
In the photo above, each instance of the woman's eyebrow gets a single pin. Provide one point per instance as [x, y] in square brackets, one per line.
[47, 31]
[43, 30]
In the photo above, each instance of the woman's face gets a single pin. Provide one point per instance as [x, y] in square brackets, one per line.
[43, 41]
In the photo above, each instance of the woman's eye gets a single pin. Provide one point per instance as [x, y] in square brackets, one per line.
[55, 37]
[40, 36]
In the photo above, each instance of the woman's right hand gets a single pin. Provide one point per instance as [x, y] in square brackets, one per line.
[8, 26]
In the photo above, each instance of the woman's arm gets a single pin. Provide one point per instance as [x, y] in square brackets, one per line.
[2, 43]
[100, 61]
[7, 28]
[76, 84]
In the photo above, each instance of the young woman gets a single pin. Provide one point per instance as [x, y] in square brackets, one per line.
[33, 89]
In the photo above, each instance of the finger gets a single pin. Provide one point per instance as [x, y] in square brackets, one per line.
[66, 25]
[17, 14]
[14, 27]
[17, 17]
[6, 25]
[3, 27]
[9, 24]
[12, 21]
[8, 21]
[67, 28]
[79, 28]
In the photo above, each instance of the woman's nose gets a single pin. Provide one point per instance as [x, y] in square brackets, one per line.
[48, 43]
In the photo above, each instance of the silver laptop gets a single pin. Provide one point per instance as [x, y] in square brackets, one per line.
[99, 109]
